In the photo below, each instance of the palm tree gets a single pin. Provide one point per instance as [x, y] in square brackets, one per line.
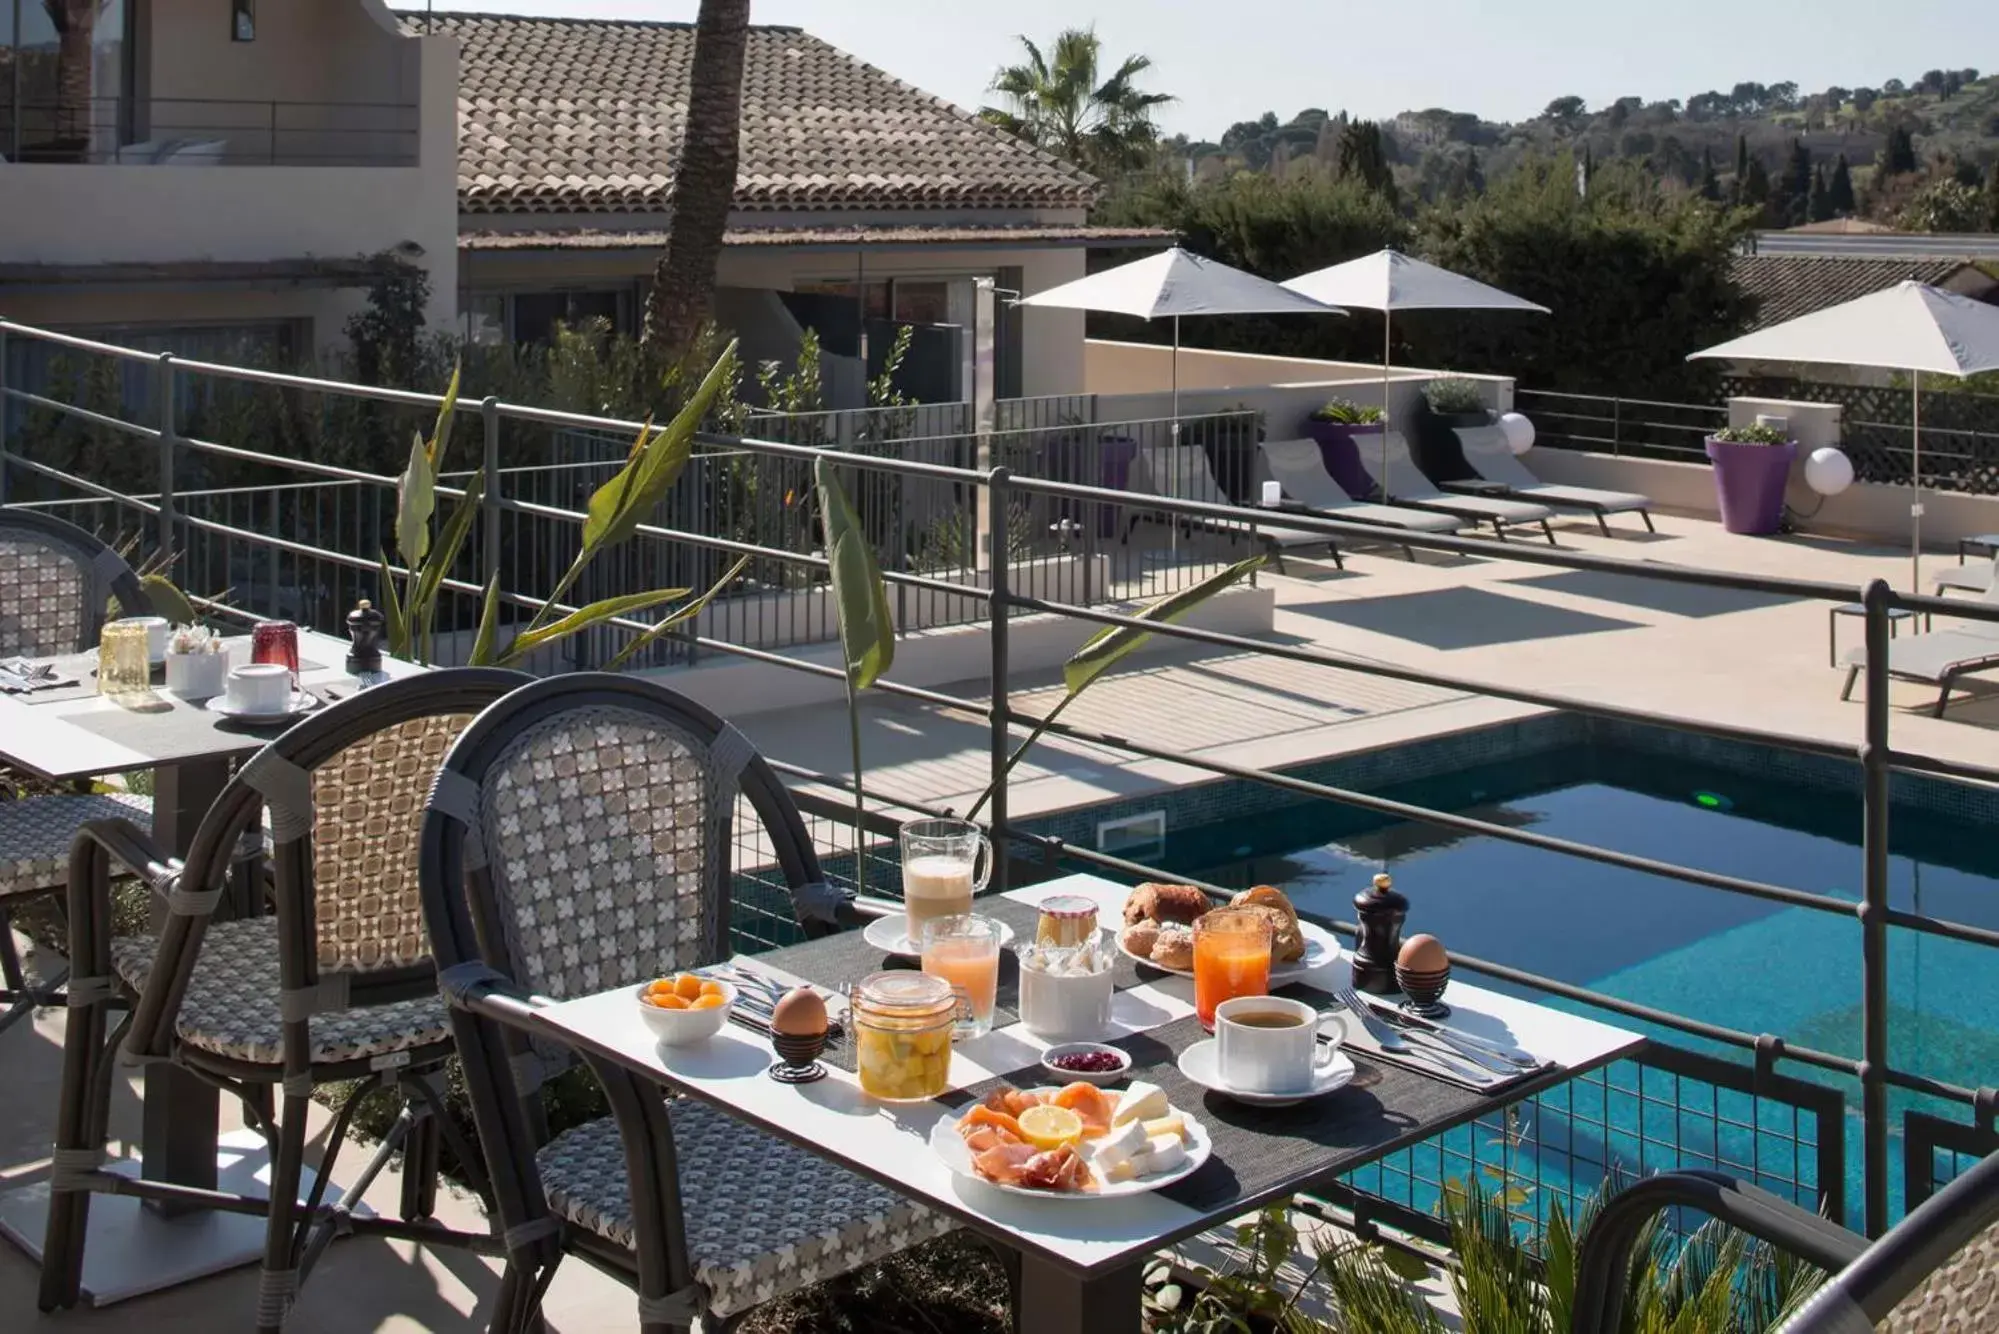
[1061, 104]
[75, 24]
[704, 181]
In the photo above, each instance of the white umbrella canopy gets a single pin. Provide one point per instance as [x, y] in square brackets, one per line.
[1909, 327]
[1388, 281]
[1177, 282]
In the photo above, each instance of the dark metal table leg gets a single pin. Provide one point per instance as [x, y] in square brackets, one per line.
[1053, 1300]
[181, 1113]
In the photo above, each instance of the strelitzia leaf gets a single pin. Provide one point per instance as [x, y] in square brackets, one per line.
[440, 434]
[620, 505]
[867, 634]
[489, 623]
[416, 501]
[1115, 642]
[585, 617]
[437, 569]
[392, 612]
[167, 600]
[678, 616]
[613, 498]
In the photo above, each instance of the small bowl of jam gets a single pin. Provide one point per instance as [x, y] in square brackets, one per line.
[1092, 1061]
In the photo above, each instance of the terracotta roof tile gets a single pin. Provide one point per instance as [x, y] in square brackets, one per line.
[584, 116]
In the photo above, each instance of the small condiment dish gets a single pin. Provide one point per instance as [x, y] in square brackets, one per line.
[679, 1028]
[1110, 1076]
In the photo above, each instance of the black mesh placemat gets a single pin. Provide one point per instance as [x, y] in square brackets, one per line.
[1258, 1149]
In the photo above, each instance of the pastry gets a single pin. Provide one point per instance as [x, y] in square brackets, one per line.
[1174, 947]
[1139, 938]
[1287, 941]
[1165, 903]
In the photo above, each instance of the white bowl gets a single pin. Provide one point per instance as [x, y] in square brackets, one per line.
[1089, 1076]
[678, 1028]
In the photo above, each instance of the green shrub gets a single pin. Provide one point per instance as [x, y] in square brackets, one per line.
[1454, 394]
[1346, 412]
[1752, 435]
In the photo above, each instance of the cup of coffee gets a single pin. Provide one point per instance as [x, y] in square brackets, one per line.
[1266, 1044]
[157, 628]
[260, 687]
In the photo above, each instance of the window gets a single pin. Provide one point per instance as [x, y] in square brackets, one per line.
[242, 20]
[64, 80]
[492, 318]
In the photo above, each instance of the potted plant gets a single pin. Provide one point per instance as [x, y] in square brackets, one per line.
[1343, 429]
[1455, 402]
[1751, 466]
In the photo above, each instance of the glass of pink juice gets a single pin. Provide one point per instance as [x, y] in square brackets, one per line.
[964, 951]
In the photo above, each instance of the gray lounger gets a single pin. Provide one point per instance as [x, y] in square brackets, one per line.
[1976, 577]
[1486, 451]
[1405, 484]
[1938, 658]
[1299, 469]
[1181, 472]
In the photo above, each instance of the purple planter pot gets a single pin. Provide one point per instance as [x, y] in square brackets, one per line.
[1351, 453]
[1749, 481]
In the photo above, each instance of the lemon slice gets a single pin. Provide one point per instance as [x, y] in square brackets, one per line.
[1050, 1127]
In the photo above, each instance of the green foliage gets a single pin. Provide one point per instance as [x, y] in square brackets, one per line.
[1945, 205]
[1346, 412]
[1752, 435]
[1063, 103]
[1363, 159]
[867, 630]
[1452, 394]
[1898, 154]
[1246, 1291]
[1839, 190]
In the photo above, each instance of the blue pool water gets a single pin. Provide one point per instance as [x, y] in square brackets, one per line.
[1747, 964]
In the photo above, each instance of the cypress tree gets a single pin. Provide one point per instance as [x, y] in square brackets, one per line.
[1741, 177]
[1898, 155]
[1992, 197]
[1794, 191]
[1818, 200]
[1839, 190]
[1710, 185]
[1756, 188]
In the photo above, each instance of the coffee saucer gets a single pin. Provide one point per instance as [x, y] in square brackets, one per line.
[1199, 1063]
[890, 935]
[302, 702]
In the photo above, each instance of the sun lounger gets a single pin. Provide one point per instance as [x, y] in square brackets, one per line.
[1486, 450]
[1406, 485]
[1976, 577]
[1938, 658]
[1299, 469]
[1181, 472]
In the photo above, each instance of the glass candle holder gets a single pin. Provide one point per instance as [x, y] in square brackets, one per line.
[124, 659]
[276, 642]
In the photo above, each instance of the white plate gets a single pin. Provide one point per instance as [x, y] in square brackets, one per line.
[890, 935]
[946, 1144]
[1198, 1064]
[302, 703]
[1321, 948]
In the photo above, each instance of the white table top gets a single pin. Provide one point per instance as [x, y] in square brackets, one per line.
[889, 1141]
[44, 738]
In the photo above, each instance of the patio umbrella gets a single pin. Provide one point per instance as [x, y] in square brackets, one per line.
[1909, 327]
[1174, 283]
[1388, 281]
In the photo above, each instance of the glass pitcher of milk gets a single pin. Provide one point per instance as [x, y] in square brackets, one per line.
[941, 869]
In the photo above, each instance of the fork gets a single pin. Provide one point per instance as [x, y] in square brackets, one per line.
[1392, 1042]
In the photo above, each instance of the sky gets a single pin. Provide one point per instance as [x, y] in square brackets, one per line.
[1502, 59]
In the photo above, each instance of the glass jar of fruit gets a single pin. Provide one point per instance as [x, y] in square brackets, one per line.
[902, 1034]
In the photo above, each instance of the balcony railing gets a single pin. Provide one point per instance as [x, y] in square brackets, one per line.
[1702, 1094]
[211, 132]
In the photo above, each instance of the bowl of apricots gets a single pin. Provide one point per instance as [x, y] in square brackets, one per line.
[685, 1007]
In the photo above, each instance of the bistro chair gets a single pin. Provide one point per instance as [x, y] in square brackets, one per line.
[580, 839]
[336, 985]
[56, 584]
[1935, 1272]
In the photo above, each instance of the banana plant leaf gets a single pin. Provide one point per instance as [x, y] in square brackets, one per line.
[585, 617]
[676, 617]
[489, 624]
[416, 501]
[167, 600]
[867, 634]
[394, 621]
[618, 506]
[423, 601]
[440, 433]
[1113, 643]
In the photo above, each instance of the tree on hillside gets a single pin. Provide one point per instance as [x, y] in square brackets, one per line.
[1059, 102]
[1363, 159]
[1839, 190]
[1945, 205]
[1898, 155]
[1992, 198]
[704, 181]
[1710, 184]
[1755, 191]
[1818, 199]
[1741, 177]
[1475, 178]
[1565, 111]
[1794, 187]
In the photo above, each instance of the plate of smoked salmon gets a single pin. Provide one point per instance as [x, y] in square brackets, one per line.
[1077, 1141]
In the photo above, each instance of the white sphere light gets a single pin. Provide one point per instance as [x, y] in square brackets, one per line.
[1518, 430]
[1828, 471]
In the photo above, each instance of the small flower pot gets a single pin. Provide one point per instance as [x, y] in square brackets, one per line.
[1749, 483]
[197, 675]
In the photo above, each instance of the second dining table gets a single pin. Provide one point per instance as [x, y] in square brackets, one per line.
[1082, 1258]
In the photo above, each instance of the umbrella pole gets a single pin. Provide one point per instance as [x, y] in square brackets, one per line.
[1386, 354]
[1173, 521]
[1916, 477]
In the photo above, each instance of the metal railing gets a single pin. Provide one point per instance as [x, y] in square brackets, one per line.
[211, 131]
[1764, 1068]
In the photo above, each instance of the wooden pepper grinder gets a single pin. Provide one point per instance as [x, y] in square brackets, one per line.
[366, 627]
[1381, 911]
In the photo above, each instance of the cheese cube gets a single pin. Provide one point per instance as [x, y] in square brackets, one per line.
[1163, 1154]
[1141, 1102]
[1166, 1125]
[1125, 1170]
[1120, 1146]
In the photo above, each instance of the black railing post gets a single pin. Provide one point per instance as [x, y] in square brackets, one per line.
[998, 479]
[4, 410]
[163, 386]
[1616, 427]
[1873, 914]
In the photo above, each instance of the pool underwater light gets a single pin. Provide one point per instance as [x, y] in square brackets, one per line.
[1712, 801]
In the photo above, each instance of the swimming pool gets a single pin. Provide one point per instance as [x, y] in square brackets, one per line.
[1706, 954]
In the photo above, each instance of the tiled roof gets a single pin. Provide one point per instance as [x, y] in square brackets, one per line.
[585, 116]
[827, 236]
[1787, 286]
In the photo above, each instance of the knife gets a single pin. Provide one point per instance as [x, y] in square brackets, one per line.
[1513, 1056]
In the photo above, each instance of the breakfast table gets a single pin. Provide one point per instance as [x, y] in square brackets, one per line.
[1082, 1257]
[70, 733]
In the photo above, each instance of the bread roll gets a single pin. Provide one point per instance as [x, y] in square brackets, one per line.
[1287, 941]
[1174, 947]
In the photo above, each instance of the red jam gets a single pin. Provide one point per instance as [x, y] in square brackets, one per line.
[1087, 1062]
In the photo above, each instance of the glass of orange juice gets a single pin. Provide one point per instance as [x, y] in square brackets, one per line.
[1231, 959]
[964, 949]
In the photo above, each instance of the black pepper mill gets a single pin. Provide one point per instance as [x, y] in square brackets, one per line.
[1381, 911]
[366, 627]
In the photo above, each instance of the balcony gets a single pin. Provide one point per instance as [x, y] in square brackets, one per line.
[212, 131]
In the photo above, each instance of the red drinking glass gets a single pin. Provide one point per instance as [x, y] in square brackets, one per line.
[276, 642]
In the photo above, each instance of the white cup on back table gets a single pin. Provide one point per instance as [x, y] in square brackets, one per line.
[260, 687]
[1266, 1044]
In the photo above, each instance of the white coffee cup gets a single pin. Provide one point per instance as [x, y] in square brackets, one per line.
[261, 687]
[1266, 1044]
[157, 629]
